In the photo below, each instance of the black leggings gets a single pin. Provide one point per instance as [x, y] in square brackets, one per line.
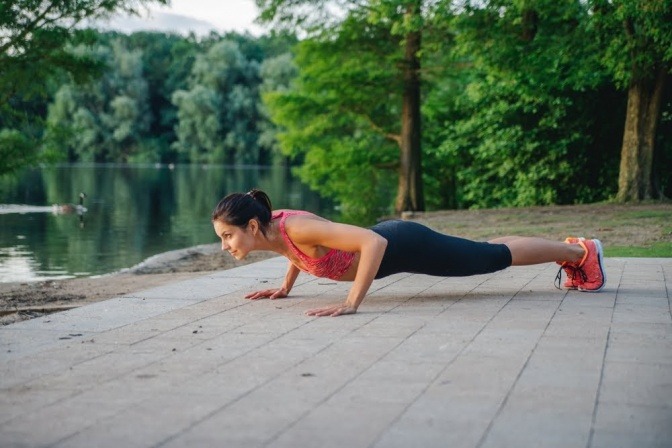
[414, 248]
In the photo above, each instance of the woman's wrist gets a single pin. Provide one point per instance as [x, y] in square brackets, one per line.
[352, 303]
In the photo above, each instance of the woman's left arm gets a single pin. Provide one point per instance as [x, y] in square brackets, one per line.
[369, 245]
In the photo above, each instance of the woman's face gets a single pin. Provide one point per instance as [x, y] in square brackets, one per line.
[236, 240]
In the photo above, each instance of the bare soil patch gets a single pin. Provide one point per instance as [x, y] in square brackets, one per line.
[614, 224]
[21, 301]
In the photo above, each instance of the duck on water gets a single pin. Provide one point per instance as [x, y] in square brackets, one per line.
[71, 208]
[56, 209]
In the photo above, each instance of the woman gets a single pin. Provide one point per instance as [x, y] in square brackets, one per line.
[245, 222]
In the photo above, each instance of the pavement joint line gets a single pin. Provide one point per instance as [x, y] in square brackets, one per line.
[212, 369]
[502, 405]
[377, 438]
[266, 342]
[343, 386]
[416, 295]
[288, 427]
[464, 348]
[617, 386]
[244, 304]
[157, 361]
[591, 433]
[462, 297]
[251, 390]
[667, 292]
[163, 442]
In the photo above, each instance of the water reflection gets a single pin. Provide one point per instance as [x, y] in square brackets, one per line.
[133, 212]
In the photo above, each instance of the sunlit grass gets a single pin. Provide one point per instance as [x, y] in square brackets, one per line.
[647, 214]
[656, 250]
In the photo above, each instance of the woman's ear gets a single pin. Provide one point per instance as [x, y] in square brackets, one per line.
[253, 225]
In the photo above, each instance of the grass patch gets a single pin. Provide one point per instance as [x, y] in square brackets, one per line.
[656, 250]
[647, 214]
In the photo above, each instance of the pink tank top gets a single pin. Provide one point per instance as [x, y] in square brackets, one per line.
[332, 265]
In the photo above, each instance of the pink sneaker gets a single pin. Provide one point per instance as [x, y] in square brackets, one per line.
[592, 266]
[575, 277]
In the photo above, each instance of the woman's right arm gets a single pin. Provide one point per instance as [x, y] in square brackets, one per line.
[290, 278]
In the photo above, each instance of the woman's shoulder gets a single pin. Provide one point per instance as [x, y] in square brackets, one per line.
[286, 213]
[299, 224]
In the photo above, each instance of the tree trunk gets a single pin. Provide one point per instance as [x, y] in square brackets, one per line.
[409, 193]
[639, 136]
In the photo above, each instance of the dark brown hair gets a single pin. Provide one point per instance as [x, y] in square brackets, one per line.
[237, 209]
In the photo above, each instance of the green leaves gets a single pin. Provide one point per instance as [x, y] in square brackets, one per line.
[104, 120]
[218, 116]
[524, 121]
[636, 36]
[340, 117]
[346, 105]
[16, 149]
[36, 42]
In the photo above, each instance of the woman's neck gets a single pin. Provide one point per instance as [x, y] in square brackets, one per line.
[271, 240]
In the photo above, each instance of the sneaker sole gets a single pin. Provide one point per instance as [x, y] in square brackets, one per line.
[600, 259]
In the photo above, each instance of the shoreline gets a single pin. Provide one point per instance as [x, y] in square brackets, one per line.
[28, 300]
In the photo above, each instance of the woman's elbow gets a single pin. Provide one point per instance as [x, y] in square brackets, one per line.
[378, 244]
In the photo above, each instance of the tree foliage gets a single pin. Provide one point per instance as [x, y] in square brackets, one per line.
[166, 98]
[363, 64]
[503, 102]
[35, 42]
[636, 37]
[340, 118]
[524, 126]
[218, 115]
[105, 120]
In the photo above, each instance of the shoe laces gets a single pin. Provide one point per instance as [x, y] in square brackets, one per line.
[572, 272]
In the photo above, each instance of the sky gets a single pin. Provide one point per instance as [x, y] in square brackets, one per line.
[199, 16]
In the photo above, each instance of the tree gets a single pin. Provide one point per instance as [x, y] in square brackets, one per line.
[277, 74]
[339, 118]
[199, 125]
[410, 193]
[16, 150]
[403, 22]
[167, 61]
[218, 115]
[523, 127]
[637, 38]
[35, 38]
[105, 120]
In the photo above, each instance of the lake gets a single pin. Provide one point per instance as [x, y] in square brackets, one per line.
[132, 213]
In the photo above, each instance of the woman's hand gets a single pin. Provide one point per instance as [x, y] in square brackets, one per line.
[268, 293]
[332, 311]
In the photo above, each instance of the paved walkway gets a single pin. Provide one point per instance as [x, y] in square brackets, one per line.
[499, 360]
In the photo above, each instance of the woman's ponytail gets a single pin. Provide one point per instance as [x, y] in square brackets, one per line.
[262, 198]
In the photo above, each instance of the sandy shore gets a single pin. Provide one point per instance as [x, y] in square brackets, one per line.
[21, 301]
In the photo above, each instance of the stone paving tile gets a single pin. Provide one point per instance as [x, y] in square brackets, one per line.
[23, 375]
[483, 361]
[148, 423]
[106, 315]
[624, 425]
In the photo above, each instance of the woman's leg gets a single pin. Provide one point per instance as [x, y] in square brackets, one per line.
[418, 249]
[527, 250]
[582, 260]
